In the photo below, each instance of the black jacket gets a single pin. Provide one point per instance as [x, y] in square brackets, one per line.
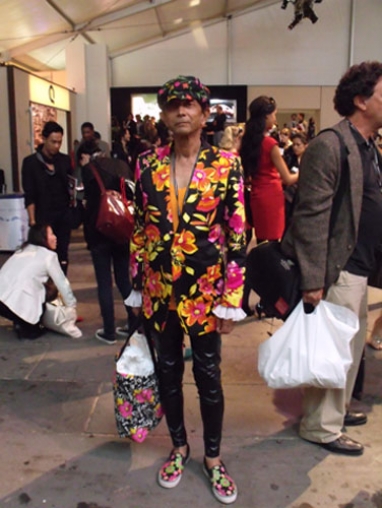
[47, 190]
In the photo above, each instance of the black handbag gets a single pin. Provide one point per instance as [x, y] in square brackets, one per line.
[275, 278]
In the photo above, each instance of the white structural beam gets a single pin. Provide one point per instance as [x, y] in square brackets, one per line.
[121, 13]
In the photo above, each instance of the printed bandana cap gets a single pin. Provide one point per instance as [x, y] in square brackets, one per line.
[184, 88]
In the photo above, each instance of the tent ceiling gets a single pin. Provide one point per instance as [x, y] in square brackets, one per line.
[35, 33]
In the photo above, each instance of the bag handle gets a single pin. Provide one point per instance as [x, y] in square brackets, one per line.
[97, 176]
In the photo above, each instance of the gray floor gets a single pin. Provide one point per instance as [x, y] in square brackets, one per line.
[59, 447]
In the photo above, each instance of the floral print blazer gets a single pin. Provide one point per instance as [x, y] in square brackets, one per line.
[203, 260]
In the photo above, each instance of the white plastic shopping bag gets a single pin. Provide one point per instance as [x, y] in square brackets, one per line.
[310, 349]
[136, 359]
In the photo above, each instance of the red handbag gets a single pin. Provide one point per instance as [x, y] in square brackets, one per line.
[115, 217]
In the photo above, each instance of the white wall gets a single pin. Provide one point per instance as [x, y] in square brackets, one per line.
[263, 51]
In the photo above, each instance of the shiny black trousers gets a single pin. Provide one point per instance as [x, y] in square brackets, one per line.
[206, 355]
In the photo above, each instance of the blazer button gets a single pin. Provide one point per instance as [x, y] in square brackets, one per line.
[350, 247]
[338, 267]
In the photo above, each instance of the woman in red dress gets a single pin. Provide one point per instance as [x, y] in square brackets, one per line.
[265, 172]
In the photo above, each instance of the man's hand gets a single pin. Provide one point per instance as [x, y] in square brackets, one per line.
[136, 310]
[85, 159]
[224, 325]
[313, 296]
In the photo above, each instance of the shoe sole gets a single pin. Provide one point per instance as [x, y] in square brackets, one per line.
[105, 341]
[355, 424]
[349, 453]
[221, 499]
[175, 483]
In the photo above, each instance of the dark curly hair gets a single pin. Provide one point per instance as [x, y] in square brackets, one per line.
[360, 80]
[250, 149]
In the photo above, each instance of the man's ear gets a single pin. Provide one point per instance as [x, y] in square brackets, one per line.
[360, 102]
[206, 115]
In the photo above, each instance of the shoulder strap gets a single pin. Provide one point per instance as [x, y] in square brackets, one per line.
[344, 178]
[97, 177]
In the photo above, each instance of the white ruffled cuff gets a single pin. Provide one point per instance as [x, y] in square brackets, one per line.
[134, 299]
[236, 314]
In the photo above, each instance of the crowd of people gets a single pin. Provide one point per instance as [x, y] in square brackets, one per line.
[196, 206]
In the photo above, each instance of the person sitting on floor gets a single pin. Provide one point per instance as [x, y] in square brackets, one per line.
[22, 282]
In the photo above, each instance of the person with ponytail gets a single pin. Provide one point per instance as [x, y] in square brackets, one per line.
[265, 172]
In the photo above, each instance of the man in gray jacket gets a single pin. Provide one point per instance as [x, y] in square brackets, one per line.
[336, 256]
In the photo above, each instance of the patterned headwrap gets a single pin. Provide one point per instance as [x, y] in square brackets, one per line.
[184, 88]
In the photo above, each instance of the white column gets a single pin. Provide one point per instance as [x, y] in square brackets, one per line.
[88, 74]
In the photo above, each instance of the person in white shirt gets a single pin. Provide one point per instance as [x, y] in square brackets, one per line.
[22, 282]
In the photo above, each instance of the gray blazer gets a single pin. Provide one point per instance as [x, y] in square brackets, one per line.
[307, 240]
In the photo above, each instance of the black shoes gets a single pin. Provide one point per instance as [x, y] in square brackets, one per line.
[344, 445]
[353, 419]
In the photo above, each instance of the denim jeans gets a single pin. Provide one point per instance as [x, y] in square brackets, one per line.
[105, 256]
[206, 369]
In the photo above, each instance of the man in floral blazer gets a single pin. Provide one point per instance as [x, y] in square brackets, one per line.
[187, 261]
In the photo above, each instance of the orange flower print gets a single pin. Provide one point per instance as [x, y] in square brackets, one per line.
[153, 283]
[222, 165]
[185, 240]
[211, 323]
[178, 259]
[147, 304]
[152, 233]
[208, 202]
[206, 285]
[214, 272]
[194, 311]
[161, 177]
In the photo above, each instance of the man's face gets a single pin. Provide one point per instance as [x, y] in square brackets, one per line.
[52, 143]
[374, 107]
[87, 134]
[184, 117]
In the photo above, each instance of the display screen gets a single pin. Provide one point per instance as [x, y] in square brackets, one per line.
[229, 107]
[145, 104]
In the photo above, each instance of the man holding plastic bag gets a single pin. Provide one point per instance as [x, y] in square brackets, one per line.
[335, 251]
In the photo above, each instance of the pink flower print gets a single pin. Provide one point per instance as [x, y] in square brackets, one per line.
[205, 285]
[236, 223]
[234, 276]
[159, 411]
[144, 396]
[125, 409]
[139, 435]
[215, 233]
[163, 152]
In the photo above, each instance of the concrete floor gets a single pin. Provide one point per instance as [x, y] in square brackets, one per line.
[60, 449]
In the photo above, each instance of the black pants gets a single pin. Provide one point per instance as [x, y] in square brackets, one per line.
[206, 369]
[60, 223]
[104, 256]
[27, 328]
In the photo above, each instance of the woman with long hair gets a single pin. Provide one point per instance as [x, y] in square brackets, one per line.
[23, 279]
[265, 173]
